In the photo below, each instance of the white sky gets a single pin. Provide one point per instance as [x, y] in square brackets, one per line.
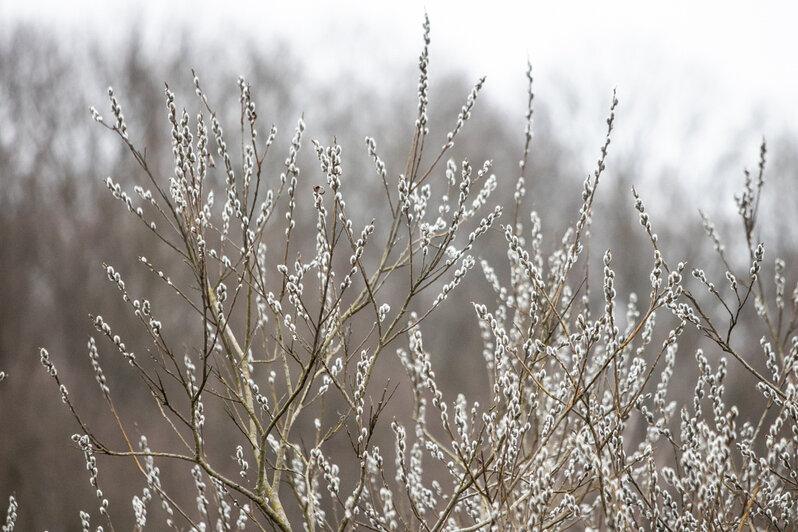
[690, 74]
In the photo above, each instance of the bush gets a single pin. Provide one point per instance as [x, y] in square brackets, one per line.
[277, 389]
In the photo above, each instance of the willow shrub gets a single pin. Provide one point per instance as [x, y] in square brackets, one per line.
[291, 336]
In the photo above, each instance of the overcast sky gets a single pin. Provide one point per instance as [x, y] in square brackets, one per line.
[690, 74]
